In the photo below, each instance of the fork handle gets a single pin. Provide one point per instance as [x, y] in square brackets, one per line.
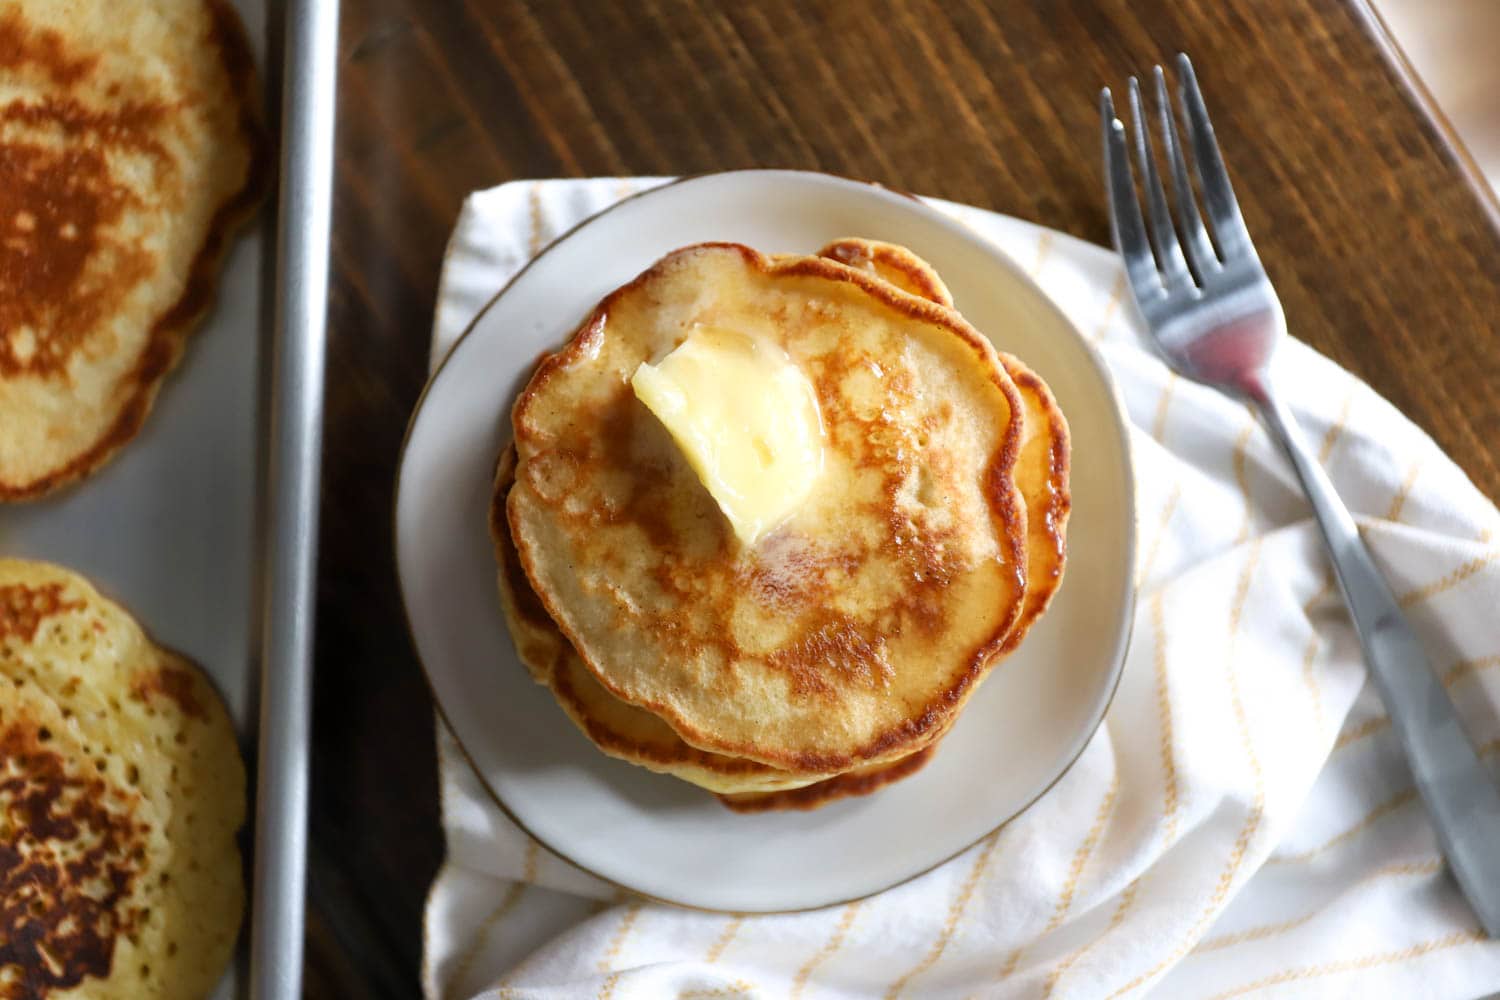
[1461, 796]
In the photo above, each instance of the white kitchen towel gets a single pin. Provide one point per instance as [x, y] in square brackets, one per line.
[1242, 824]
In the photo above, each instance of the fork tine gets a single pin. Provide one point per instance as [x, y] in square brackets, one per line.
[1169, 257]
[1218, 195]
[1199, 250]
[1125, 222]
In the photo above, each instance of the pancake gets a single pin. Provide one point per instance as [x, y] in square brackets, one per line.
[129, 149]
[894, 263]
[860, 781]
[618, 729]
[81, 858]
[148, 722]
[1042, 473]
[1042, 470]
[854, 633]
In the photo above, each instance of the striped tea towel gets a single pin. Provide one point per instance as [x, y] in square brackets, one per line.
[1243, 824]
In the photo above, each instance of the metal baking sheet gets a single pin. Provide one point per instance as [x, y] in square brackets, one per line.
[169, 527]
[294, 453]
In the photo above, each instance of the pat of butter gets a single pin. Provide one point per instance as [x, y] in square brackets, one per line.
[746, 419]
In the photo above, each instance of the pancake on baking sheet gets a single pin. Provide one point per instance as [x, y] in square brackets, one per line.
[81, 862]
[145, 734]
[1042, 470]
[853, 633]
[129, 149]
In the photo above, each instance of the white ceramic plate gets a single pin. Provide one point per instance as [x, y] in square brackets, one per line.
[657, 835]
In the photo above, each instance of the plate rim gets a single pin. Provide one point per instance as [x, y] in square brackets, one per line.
[1128, 612]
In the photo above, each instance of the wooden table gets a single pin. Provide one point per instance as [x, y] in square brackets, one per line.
[1385, 254]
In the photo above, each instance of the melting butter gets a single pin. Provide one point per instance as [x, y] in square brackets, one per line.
[746, 419]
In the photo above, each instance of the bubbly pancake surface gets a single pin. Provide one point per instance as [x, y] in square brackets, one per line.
[153, 734]
[81, 860]
[853, 633]
[129, 148]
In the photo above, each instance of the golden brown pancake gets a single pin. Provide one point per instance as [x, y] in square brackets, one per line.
[129, 149]
[154, 734]
[1041, 473]
[853, 634]
[81, 859]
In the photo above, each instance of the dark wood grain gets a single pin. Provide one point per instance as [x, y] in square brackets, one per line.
[1384, 254]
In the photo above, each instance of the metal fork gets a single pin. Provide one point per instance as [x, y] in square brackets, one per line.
[1214, 317]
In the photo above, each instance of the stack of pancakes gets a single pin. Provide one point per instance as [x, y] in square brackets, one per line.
[121, 792]
[829, 657]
